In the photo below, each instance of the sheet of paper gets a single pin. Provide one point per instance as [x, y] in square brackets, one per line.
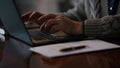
[53, 50]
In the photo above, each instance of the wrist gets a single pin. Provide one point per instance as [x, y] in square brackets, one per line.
[78, 28]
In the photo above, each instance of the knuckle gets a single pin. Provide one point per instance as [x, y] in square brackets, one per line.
[51, 20]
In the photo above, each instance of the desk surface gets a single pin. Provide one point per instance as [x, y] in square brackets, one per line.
[104, 59]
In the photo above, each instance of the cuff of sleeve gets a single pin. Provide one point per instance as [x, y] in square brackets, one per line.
[92, 28]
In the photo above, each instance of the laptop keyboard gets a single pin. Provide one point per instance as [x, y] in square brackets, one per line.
[38, 35]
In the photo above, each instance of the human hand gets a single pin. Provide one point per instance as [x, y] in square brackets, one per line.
[54, 23]
[37, 17]
[31, 16]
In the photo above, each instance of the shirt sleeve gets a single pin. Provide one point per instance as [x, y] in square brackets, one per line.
[108, 26]
[78, 12]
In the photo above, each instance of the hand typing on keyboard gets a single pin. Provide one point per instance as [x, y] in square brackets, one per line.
[54, 23]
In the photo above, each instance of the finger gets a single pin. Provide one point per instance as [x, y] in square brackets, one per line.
[42, 26]
[63, 18]
[26, 16]
[34, 16]
[46, 26]
[55, 29]
[50, 23]
[30, 16]
[45, 18]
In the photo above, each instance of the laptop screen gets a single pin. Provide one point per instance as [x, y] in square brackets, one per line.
[12, 21]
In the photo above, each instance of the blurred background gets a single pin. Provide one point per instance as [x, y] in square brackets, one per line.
[44, 6]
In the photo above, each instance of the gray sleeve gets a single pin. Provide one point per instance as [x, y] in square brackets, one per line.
[78, 12]
[108, 26]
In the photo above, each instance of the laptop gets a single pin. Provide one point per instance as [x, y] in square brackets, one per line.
[16, 28]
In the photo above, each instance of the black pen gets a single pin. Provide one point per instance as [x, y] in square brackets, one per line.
[73, 48]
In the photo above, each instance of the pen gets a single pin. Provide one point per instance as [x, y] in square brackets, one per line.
[73, 48]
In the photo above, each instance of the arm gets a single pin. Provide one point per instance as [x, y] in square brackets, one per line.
[78, 12]
[108, 26]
